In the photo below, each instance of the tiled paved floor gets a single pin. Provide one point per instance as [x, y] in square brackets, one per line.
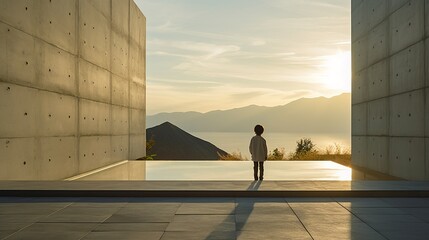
[214, 218]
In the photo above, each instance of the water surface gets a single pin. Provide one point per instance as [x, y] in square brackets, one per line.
[243, 170]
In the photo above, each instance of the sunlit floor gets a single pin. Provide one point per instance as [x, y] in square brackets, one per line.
[243, 170]
[214, 218]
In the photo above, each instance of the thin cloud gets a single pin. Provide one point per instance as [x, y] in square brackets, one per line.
[268, 53]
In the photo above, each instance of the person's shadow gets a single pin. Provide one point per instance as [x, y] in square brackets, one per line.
[244, 216]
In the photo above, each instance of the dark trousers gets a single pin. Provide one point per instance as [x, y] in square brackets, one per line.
[261, 170]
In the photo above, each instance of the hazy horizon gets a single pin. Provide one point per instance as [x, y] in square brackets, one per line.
[218, 55]
[249, 105]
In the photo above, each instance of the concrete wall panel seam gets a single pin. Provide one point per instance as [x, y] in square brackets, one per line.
[81, 107]
[128, 77]
[37, 38]
[396, 86]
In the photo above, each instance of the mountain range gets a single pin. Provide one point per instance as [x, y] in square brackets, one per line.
[172, 143]
[305, 115]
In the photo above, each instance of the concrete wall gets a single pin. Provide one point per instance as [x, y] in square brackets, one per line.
[72, 86]
[390, 87]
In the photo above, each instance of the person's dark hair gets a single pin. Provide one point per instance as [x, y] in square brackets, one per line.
[259, 129]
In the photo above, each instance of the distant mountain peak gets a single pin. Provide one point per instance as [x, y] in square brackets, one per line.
[167, 124]
[173, 143]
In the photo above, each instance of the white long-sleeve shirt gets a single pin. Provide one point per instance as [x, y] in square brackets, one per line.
[258, 148]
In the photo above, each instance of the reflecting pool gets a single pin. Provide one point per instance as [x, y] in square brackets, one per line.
[243, 170]
[218, 170]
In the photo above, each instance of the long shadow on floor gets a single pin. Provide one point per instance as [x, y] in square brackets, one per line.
[254, 186]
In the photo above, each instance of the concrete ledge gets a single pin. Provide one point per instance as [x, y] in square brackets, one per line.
[214, 189]
[196, 193]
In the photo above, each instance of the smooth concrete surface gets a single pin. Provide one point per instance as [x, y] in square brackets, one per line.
[231, 171]
[72, 86]
[378, 153]
[123, 170]
[214, 218]
[214, 188]
[378, 79]
[389, 86]
[243, 170]
[359, 150]
[175, 170]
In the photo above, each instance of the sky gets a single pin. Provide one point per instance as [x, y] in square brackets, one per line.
[205, 55]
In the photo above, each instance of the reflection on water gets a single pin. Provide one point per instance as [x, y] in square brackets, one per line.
[219, 170]
[123, 170]
[243, 170]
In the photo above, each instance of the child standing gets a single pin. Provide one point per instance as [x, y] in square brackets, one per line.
[258, 149]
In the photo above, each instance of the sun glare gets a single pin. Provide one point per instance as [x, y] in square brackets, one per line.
[337, 70]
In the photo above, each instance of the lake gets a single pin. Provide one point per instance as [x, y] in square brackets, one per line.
[239, 141]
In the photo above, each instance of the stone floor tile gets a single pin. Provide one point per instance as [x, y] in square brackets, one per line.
[280, 234]
[314, 205]
[15, 199]
[61, 227]
[12, 226]
[263, 208]
[29, 205]
[308, 199]
[131, 227]
[415, 211]
[201, 226]
[102, 200]
[319, 210]
[380, 218]
[269, 226]
[423, 217]
[262, 199]
[376, 211]
[123, 235]
[27, 210]
[176, 200]
[206, 208]
[263, 204]
[331, 218]
[183, 200]
[397, 231]
[199, 235]
[347, 230]
[211, 218]
[98, 204]
[362, 202]
[74, 218]
[138, 218]
[266, 218]
[11, 218]
[47, 235]
[145, 211]
[66, 200]
[302, 185]
[158, 205]
[204, 218]
[149, 210]
[4, 234]
[407, 202]
[93, 211]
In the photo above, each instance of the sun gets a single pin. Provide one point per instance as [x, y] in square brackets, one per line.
[337, 71]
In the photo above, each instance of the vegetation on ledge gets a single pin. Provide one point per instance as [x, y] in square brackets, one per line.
[305, 150]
